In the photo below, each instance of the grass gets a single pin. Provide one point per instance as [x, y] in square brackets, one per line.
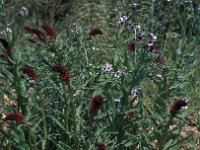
[58, 90]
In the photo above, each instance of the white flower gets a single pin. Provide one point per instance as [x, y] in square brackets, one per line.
[107, 68]
[152, 37]
[77, 28]
[24, 11]
[123, 19]
[117, 74]
[118, 104]
[7, 30]
[136, 27]
[135, 91]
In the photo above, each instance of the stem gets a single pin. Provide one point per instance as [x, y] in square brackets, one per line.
[32, 136]
[20, 90]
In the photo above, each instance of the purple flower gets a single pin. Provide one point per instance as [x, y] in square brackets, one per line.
[18, 117]
[107, 68]
[132, 47]
[64, 73]
[49, 31]
[6, 46]
[96, 102]
[177, 104]
[101, 147]
[95, 31]
[30, 72]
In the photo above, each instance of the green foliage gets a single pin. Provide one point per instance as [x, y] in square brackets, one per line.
[58, 113]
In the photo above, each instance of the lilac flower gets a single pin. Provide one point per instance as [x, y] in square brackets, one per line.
[135, 91]
[123, 19]
[117, 74]
[107, 68]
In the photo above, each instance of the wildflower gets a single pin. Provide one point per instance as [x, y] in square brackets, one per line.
[141, 36]
[107, 68]
[24, 11]
[96, 102]
[135, 91]
[101, 147]
[78, 28]
[160, 60]
[6, 46]
[118, 104]
[176, 106]
[7, 30]
[151, 37]
[153, 48]
[18, 117]
[49, 31]
[123, 19]
[135, 28]
[30, 72]
[132, 114]
[38, 33]
[119, 74]
[94, 32]
[64, 73]
[131, 47]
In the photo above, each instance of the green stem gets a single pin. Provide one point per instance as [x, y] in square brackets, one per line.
[20, 90]
[32, 136]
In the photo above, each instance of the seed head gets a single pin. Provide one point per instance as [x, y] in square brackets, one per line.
[18, 117]
[37, 32]
[49, 31]
[30, 72]
[101, 147]
[95, 31]
[131, 47]
[177, 104]
[64, 73]
[6, 46]
[96, 102]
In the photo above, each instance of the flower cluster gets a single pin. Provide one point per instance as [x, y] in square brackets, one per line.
[6, 46]
[30, 72]
[49, 32]
[24, 11]
[132, 47]
[118, 74]
[77, 28]
[18, 117]
[123, 19]
[107, 68]
[95, 31]
[7, 30]
[135, 91]
[96, 103]
[177, 105]
[101, 147]
[64, 73]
